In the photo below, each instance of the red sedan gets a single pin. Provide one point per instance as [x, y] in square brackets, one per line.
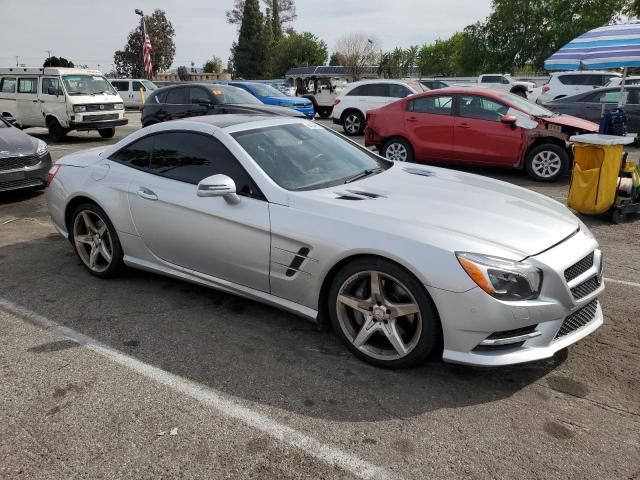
[475, 126]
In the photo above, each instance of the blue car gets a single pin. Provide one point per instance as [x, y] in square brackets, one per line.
[272, 96]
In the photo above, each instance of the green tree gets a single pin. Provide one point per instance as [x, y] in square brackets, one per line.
[276, 26]
[213, 65]
[183, 73]
[335, 60]
[129, 63]
[298, 50]
[58, 62]
[435, 59]
[286, 12]
[398, 62]
[250, 52]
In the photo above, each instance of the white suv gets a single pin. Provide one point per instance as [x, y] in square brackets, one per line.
[350, 108]
[565, 84]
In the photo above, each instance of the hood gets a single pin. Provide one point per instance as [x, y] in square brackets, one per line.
[14, 142]
[449, 209]
[573, 122]
[290, 101]
[271, 109]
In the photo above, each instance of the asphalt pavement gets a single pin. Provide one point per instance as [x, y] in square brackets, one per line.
[148, 377]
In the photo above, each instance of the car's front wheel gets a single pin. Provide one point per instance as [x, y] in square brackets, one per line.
[95, 241]
[56, 131]
[107, 132]
[547, 162]
[398, 150]
[353, 123]
[383, 313]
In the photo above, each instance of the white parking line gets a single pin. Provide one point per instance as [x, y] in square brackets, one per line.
[208, 396]
[622, 282]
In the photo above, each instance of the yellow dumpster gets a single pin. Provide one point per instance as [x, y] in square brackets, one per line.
[596, 165]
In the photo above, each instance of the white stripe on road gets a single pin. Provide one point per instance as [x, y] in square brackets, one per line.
[622, 282]
[208, 396]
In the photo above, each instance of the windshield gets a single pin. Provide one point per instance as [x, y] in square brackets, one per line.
[229, 94]
[266, 90]
[87, 85]
[526, 105]
[305, 156]
[149, 85]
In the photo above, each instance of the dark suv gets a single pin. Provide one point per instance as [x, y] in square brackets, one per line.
[195, 99]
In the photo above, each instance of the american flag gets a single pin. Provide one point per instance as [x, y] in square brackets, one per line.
[147, 50]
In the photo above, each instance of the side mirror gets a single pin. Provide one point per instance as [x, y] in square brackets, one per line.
[509, 120]
[218, 186]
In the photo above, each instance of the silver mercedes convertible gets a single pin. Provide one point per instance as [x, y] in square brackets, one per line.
[402, 260]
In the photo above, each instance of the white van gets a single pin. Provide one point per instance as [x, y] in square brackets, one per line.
[60, 99]
[133, 90]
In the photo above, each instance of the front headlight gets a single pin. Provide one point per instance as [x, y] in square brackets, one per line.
[79, 108]
[118, 106]
[502, 278]
[41, 148]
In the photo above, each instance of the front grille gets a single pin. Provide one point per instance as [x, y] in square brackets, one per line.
[578, 319]
[97, 118]
[24, 182]
[96, 107]
[585, 288]
[577, 269]
[13, 163]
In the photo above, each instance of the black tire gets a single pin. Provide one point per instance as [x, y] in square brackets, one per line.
[353, 123]
[425, 340]
[519, 92]
[116, 264]
[397, 144]
[107, 132]
[324, 112]
[56, 131]
[617, 216]
[553, 153]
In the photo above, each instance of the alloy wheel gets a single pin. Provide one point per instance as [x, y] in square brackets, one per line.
[396, 152]
[352, 124]
[546, 164]
[379, 315]
[92, 241]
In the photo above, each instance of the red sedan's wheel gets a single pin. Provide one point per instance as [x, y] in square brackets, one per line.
[397, 150]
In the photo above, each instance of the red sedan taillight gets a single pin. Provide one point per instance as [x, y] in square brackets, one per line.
[52, 173]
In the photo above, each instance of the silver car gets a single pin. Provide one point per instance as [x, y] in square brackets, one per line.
[400, 259]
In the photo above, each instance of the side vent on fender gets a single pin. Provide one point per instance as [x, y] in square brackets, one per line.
[419, 171]
[357, 195]
[296, 263]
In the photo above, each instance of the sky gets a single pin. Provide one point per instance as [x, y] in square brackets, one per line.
[90, 31]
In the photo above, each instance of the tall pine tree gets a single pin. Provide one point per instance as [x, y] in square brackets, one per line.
[276, 26]
[250, 53]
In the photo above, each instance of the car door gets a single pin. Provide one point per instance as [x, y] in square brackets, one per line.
[200, 101]
[138, 93]
[479, 137]
[203, 234]
[28, 103]
[52, 99]
[124, 90]
[429, 122]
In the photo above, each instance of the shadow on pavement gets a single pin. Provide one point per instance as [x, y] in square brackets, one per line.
[239, 347]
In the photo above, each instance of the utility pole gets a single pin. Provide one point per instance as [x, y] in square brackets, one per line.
[17, 60]
[49, 54]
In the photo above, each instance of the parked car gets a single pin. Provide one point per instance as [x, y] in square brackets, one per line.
[475, 126]
[617, 81]
[271, 96]
[24, 160]
[593, 104]
[196, 99]
[506, 83]
[133, 90]
[433, 84]
[350, 108]
[565, 84]
[61, 99]
[398, 258]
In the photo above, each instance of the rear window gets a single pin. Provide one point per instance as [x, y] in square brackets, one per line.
[121, 86]
[435, 104]
[370, 90]
[8, 85]
[586, 80]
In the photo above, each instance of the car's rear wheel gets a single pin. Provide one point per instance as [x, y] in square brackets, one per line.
[95, 241]
[353, 123]
[107, 132]
[398, 150]
[324, 112]
[56, 131]
[547, 162]
[383, 313]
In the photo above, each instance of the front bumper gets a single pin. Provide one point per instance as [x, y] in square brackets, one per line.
[470, 319]
[94, 125]
[26, 177]
[309, 112]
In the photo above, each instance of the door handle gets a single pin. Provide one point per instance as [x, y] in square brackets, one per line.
[146, 194]
[464, 125]
[412, 119]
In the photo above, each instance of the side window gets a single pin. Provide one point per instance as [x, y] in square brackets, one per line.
[121, 86]
[378, 90]
[136, 86]
[198, 95]
[438, 105]
[398, 91]
[190, 157]
[136, 154]
[482, 108]
[27, 85]
[491, 79]
[567, 79]
[612, 96]
[504, 80]
[8, 85]
[358, 91]
[51, 86]
[177, 96]
[160, 97]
